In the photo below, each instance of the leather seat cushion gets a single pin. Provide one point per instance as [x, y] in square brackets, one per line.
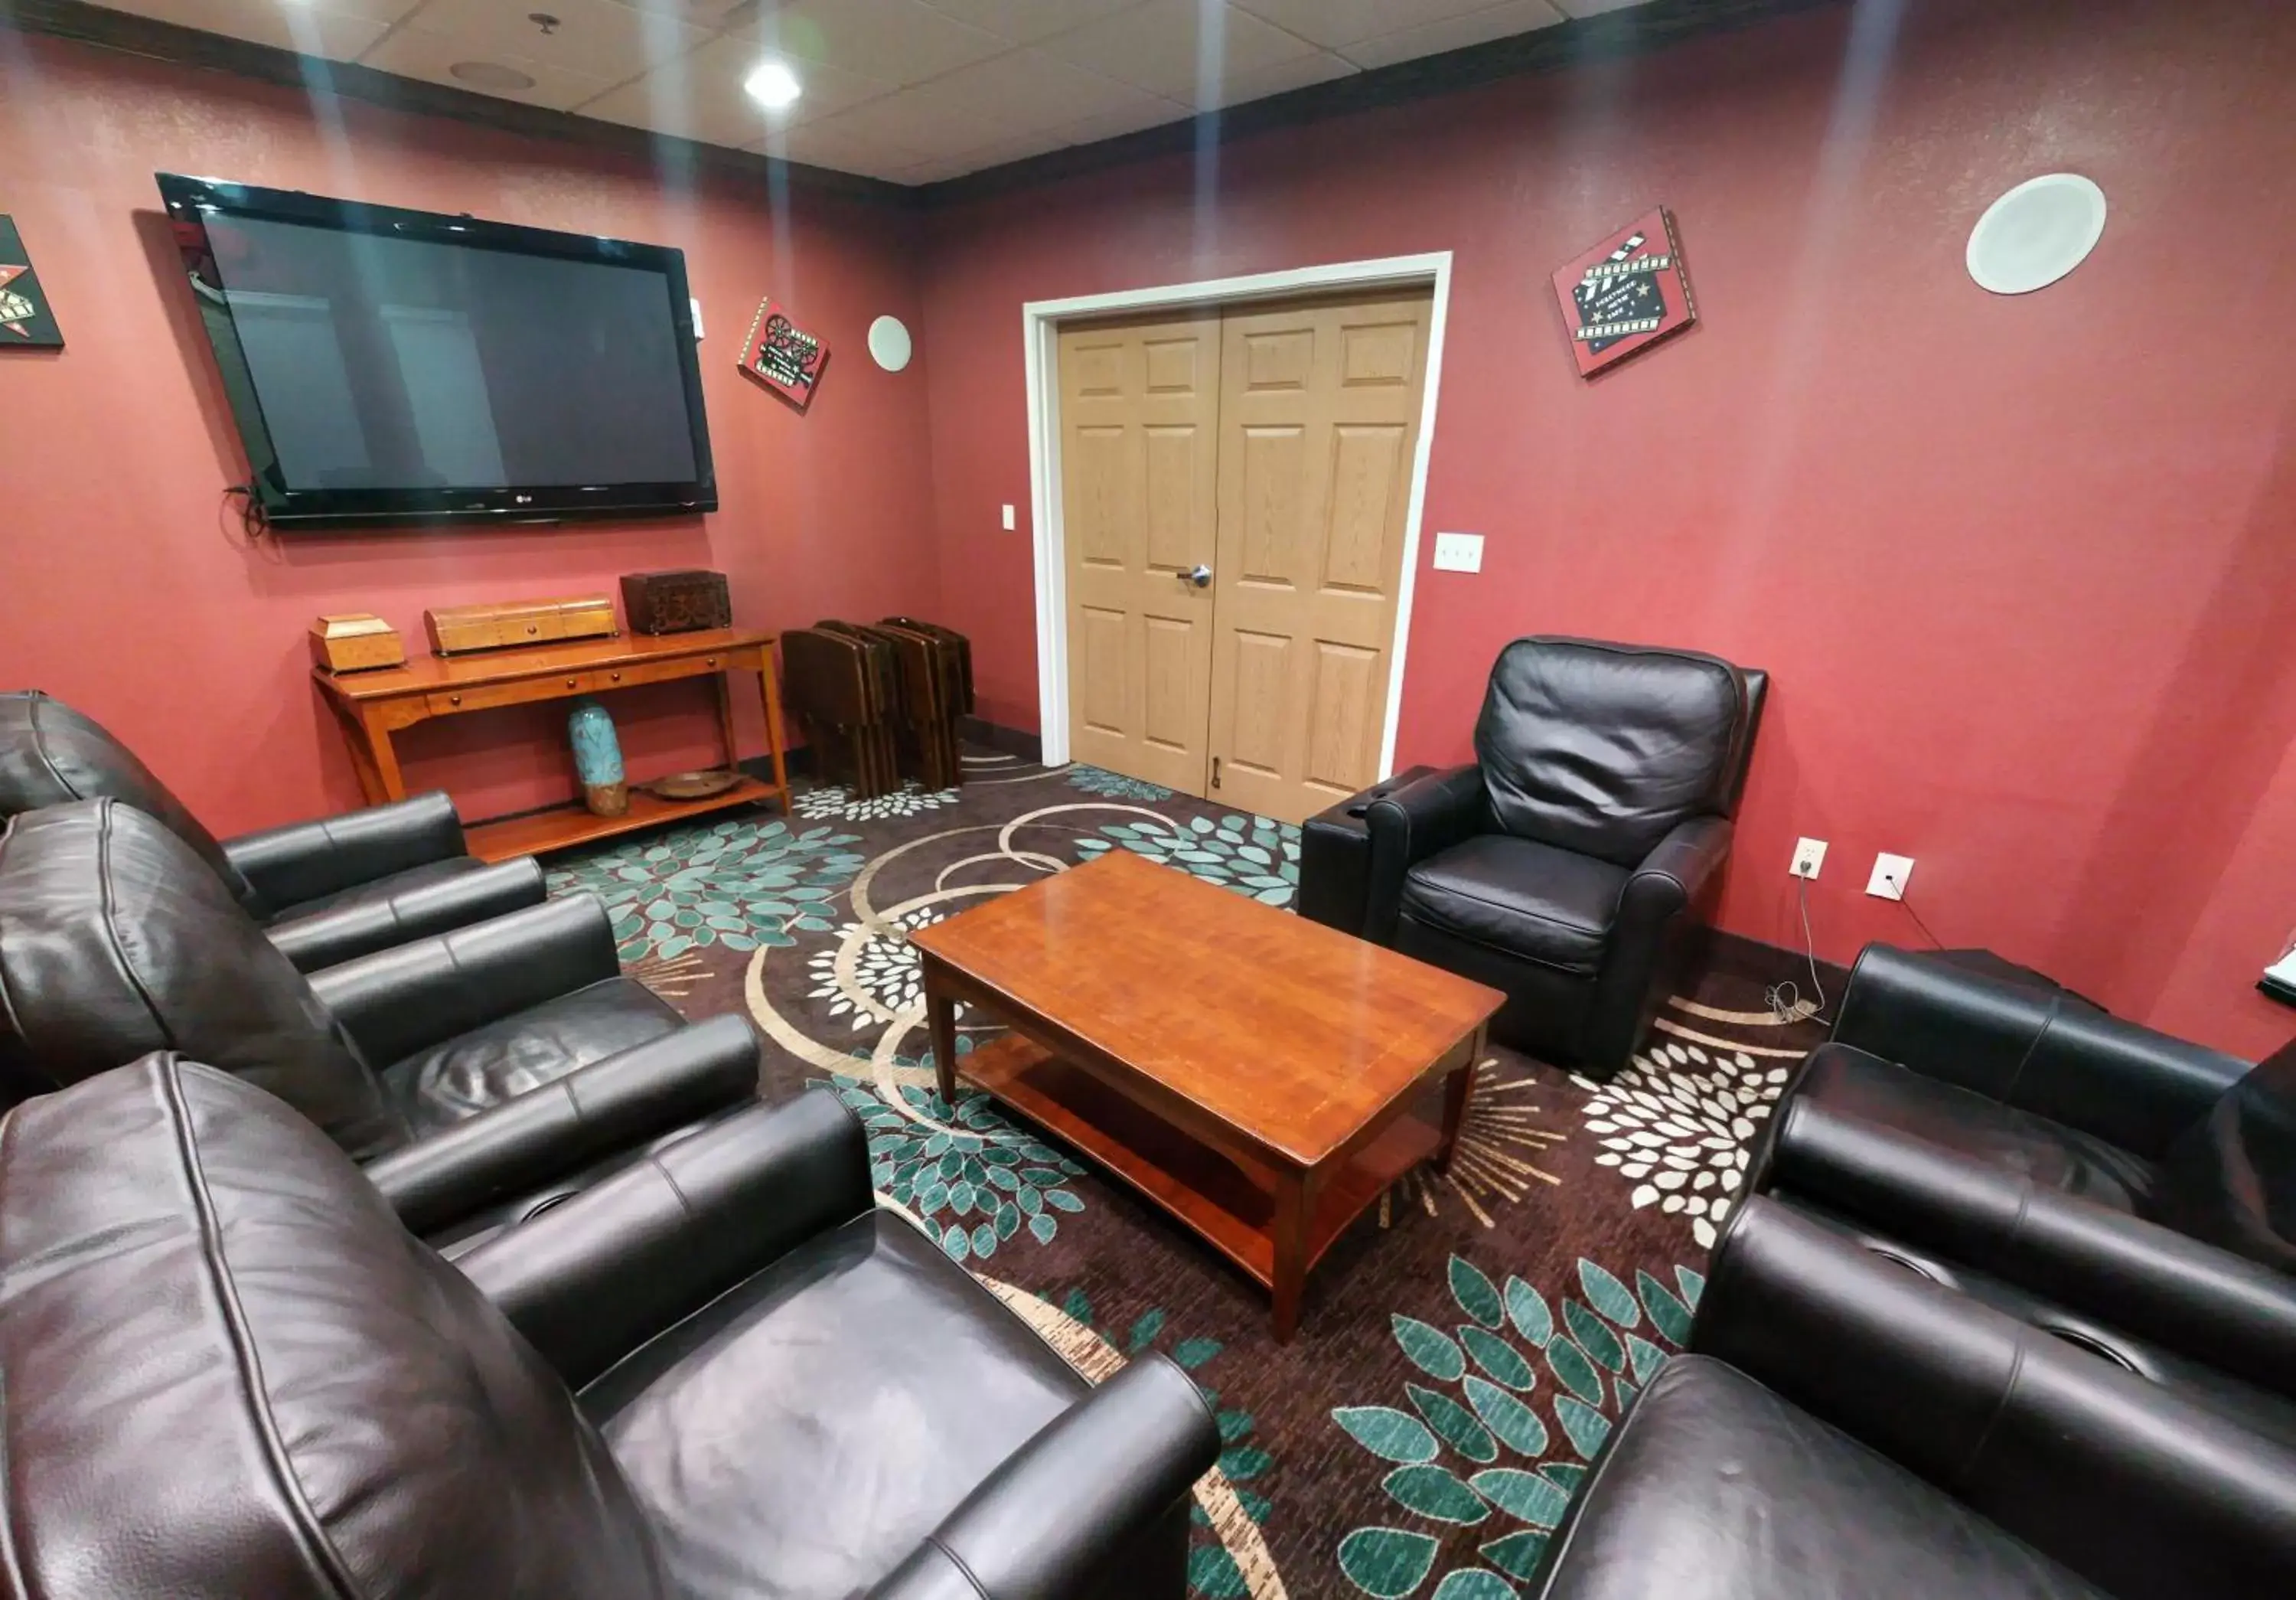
[893, 1383]
[381, 889]
[507, 1058]
[1604, 748]
[1532, 900]
[2231, 1177]
[51, 754]
[232, 1372]
[120, 941]
[1715, 1489]
[1844, 1083]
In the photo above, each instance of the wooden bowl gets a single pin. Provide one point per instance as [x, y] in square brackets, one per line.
[694, 785]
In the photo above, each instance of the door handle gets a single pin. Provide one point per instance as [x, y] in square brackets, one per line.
[1201, 576]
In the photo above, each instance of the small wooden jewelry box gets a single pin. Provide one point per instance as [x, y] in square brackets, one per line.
[355, 642]
[675, 603]
[499, 624]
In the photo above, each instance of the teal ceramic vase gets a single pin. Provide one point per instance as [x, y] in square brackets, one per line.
[598, 758]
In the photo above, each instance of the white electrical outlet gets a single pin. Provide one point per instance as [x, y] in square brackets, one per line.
[1458, 553]
[1810, 854]
[1009, 523]
[695, 302]
[1890, 875]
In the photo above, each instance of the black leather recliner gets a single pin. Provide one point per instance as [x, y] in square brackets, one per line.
[2107, 1182]
[486, 1072]
[724, 1373]
[1571, 864]
[326, 890]
[1843, 1427]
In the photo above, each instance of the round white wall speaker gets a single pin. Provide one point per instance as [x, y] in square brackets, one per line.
[2036, 234]
[888, 343]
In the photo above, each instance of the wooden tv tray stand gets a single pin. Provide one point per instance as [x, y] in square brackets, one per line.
[372, 706]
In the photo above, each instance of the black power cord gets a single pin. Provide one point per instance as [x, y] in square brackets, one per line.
[1935, 942]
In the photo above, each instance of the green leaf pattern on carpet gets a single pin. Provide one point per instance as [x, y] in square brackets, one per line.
[1450, 1470]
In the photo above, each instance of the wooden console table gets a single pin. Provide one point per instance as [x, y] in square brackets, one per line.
[372, 706]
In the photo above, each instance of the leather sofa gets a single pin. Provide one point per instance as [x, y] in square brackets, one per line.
[231, 1371]
[488, 1071]
[1571, 863]
[326, 890]
[2116, 1186]
[1841, 1427]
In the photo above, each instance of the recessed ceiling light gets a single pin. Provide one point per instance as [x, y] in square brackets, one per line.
[491, 75]
[772, 85]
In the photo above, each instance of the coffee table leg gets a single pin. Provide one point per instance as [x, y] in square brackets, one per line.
[1290, 1263]
[1457, 1091]
[940, 1018]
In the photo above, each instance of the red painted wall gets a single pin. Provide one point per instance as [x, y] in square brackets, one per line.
[129, 589]
[2024, 570]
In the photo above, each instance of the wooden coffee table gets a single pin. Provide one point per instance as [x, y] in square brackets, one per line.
[1250, 1071]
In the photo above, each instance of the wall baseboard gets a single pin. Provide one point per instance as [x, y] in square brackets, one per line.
[1009, 741]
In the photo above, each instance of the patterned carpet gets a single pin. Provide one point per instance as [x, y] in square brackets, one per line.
[1464, 1349]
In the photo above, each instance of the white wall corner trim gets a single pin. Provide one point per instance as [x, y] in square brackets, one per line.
[1041, 326]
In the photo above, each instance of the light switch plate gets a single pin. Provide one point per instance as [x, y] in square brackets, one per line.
[1891, 874]
[1458, 553]
[1009, 524]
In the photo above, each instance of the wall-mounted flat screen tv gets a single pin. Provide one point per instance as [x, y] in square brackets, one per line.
[387, 366]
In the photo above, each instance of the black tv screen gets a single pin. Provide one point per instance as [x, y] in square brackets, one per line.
[393, 367]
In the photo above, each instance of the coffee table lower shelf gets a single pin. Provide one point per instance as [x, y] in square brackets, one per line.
[1231, 1206]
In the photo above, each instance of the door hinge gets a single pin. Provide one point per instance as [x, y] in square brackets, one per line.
[1215, 772]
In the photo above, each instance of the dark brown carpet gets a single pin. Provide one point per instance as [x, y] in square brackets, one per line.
[1462, 1351]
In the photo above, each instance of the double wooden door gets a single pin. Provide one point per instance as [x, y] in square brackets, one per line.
[1233, 489]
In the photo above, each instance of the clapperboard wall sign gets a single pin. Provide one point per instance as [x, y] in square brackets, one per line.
[26, 323]
[1626, 294]
[781, 356]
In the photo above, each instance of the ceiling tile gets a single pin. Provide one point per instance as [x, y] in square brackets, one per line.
[818, 145]
[711, 14]
[1238, 88]
[700, 96]
[338, 31]
[902, 41]
[903, 119]
[1335, 24]
[413, 52]
[1113, 125]
[1455, 33]
[1180, 49]
[1025, 21]
[1028, 89]
[596, 37]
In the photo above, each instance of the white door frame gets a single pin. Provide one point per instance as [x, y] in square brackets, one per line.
[1040, 328]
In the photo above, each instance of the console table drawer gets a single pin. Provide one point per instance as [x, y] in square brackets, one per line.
[480, 697]
[660, 672]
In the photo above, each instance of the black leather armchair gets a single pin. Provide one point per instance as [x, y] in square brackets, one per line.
[721, 1374]
[1570, 864]
[488, 1073]
[2107, 1182]
[326, 890]
[1843, 1427]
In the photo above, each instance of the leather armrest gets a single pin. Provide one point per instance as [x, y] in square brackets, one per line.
[1049, 1522]
[590, 1280]
[1646, 937]
[608, 1105]
[2032, 1049]
[1411, 823]
[329, 938]
[398, 1001]
[304, 860]
[2142, 1491]
[2233, 1313]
